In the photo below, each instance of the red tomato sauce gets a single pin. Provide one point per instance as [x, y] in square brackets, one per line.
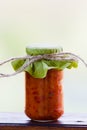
[44, 97]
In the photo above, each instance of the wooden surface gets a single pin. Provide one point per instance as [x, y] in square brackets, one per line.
[19, 121]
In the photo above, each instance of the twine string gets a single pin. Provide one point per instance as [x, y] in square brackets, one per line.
[63, 56]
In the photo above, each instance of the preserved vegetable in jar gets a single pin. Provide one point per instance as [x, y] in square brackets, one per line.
[43, 67]
[44, 97]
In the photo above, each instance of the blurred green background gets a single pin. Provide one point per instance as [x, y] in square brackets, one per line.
[24, 22]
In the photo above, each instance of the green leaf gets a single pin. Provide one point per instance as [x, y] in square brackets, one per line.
[57, 64]
[38, 69]
[17, 64]
[73, 64]
[41, 51]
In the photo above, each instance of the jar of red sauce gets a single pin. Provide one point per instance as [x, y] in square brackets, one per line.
[43, 80]
[44, 96]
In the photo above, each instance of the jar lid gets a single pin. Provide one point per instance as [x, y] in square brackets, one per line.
[43, 48]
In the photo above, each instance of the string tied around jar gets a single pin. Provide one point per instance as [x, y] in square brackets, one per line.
[62, 56]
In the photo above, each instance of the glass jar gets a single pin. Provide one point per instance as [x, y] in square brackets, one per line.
[43, 80]
[44, 96]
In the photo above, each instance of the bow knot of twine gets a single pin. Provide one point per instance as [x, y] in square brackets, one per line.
[63, 56]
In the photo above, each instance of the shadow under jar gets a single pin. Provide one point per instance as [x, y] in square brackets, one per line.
[44, 96]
